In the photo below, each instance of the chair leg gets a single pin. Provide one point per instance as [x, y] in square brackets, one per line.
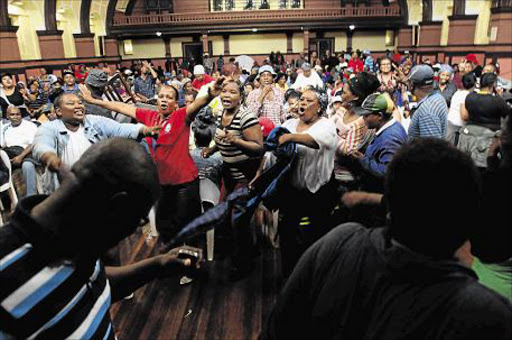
[210, 239]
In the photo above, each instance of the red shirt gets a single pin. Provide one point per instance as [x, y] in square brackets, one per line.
[173, 160]
[356, 64]
[206, 80]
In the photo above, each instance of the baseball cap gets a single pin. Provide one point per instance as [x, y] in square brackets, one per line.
[367, 52]
[266, 126]
[266, 68]
[422, 74]
[199, 69]
[376, 103]
[67, 72]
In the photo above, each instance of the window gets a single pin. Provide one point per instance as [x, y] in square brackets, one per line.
[159, 6]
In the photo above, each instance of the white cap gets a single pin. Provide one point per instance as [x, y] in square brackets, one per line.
[199, 69]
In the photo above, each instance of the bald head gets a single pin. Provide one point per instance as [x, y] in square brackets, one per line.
[120, 165]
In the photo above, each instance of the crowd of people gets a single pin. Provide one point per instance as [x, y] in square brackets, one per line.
[390, 180]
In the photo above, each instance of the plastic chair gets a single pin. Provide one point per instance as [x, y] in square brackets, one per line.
[210, 195]
[9, 186]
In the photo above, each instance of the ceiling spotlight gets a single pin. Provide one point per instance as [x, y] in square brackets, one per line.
[352, 27]
[158, 33]
[255, 30]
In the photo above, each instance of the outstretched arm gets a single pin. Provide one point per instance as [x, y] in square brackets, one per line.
[126, 109]
[125, 280]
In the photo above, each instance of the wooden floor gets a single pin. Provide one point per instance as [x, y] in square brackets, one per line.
[211, 307]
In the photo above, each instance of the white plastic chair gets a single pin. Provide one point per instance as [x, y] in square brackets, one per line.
[210, 194]
[9, 186]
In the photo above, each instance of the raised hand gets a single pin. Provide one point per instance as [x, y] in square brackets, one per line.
[86, 94]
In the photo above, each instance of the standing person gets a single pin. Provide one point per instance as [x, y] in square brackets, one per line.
[240, 141]
[351, 128]
[230, 69]
[377, 111]
[70, 85]
[482, 112]
[144, 86]
[54, 285]
[11, 95]
[472, 65]
[220, 63]
[455, 121]
[300, 60]
[386, 77]
[403, 281]
[429, 119]
[267, 101]
[311, 192]
[444, 85]
[96, 82]
[356, 63]
[179, 202]
[208, 63]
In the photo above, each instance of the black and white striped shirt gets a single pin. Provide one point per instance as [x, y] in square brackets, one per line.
[48, 299]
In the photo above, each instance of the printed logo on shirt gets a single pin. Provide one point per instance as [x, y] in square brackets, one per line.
[167, 128]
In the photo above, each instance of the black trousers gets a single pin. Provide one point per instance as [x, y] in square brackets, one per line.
[177, 206]
[303, 219]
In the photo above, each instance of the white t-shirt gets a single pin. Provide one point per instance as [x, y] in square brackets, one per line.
[314, 167]
[458, 98]
[75, 147]
[302, 81]
[21, 135]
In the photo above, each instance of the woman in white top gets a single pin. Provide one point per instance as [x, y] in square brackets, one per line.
[455, 121]
[312, 191]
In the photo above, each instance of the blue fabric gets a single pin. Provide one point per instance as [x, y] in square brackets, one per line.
[267, 188]
[382, 149]
[430, 118]
[53, 136]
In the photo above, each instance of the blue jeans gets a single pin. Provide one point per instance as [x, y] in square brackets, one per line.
[29, 174]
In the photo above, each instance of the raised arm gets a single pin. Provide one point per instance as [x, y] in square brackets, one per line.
[153, 72]
[202, 101]
[126, 109]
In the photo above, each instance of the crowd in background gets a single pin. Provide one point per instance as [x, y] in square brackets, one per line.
[347, 114]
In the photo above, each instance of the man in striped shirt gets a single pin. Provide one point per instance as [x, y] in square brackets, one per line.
[53, 283]
[430, 117]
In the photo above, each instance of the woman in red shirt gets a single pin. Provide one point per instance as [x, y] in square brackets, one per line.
[355, 63]
[179, 201]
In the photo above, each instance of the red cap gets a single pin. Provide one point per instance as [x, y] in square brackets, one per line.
[266, 126]
[472, 58]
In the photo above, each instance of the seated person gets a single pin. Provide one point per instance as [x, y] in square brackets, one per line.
[401, 281]
[54, 285]
[211, 167]
[17, 141]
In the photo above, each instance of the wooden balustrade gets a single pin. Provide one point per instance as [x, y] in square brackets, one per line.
[185, 19]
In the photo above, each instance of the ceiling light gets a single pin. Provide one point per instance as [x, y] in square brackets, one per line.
[158, 33]
[255, 30]
[352, 27]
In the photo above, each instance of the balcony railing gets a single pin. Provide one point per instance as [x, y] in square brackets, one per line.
[186, 19]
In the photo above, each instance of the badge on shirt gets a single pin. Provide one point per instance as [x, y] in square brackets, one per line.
[167, 128]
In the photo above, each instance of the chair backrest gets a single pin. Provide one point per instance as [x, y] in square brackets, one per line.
[208, 191]
[4, 158]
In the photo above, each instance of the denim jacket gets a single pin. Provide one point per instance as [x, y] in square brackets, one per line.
[53, 136]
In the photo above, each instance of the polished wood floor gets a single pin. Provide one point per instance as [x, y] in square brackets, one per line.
[211, 307]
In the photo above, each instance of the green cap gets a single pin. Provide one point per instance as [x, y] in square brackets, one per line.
[376, 103]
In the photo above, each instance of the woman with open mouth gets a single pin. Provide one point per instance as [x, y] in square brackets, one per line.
[304, 216]
[239, 139]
